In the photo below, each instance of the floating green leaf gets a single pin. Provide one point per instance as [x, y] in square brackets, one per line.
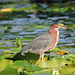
[3, 28]
[7, 51]
[55, 49]
[2, 57]
[4, 63]
[9, 71]
[18, 42]
[33, 68]
[40, 27]
[55, 63]
[66, 70]
[16, 49]
[27, 66]
[21, 63]
[72, 74]
[25, 39]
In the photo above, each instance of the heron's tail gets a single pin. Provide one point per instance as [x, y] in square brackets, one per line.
[23, 52]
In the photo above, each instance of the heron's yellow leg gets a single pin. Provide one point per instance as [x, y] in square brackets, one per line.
[39, 60]
[42, 56]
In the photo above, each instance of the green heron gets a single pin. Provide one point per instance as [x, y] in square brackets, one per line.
[44, 42]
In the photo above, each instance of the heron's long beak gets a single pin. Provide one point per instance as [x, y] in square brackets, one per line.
[67, 27]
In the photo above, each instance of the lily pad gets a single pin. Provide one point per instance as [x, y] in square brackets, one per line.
[7, 54]
[6, 10]
[16, 49]
[27, 66]
[72, 74]
[70, 58]
[69, 9]
[40, 27]
[21, 63]
[57, 10]
[7, 51]
[9, 71]
[3, 28]
[41, 72]
[62, 52]
[26, 38]
[33, 68]
[4, 63]
[55, 49]
[53, 63]
[18, 42]
[66, 70]
[2, 57]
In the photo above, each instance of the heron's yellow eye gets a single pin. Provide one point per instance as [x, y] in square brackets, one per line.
[61, 25]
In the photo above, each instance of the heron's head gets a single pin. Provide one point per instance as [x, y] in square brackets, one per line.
[58, 25]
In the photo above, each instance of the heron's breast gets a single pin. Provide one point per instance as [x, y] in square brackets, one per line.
[54, 39]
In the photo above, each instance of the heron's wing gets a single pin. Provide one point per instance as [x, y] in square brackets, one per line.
[38, 43]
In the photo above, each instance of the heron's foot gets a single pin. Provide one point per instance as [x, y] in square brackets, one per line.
[39, 60]
[42, 59]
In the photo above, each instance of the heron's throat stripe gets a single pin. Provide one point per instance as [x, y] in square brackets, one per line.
[55, 38]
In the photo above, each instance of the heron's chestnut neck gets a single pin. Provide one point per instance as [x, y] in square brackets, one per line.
[54, 34]
[53, 29]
